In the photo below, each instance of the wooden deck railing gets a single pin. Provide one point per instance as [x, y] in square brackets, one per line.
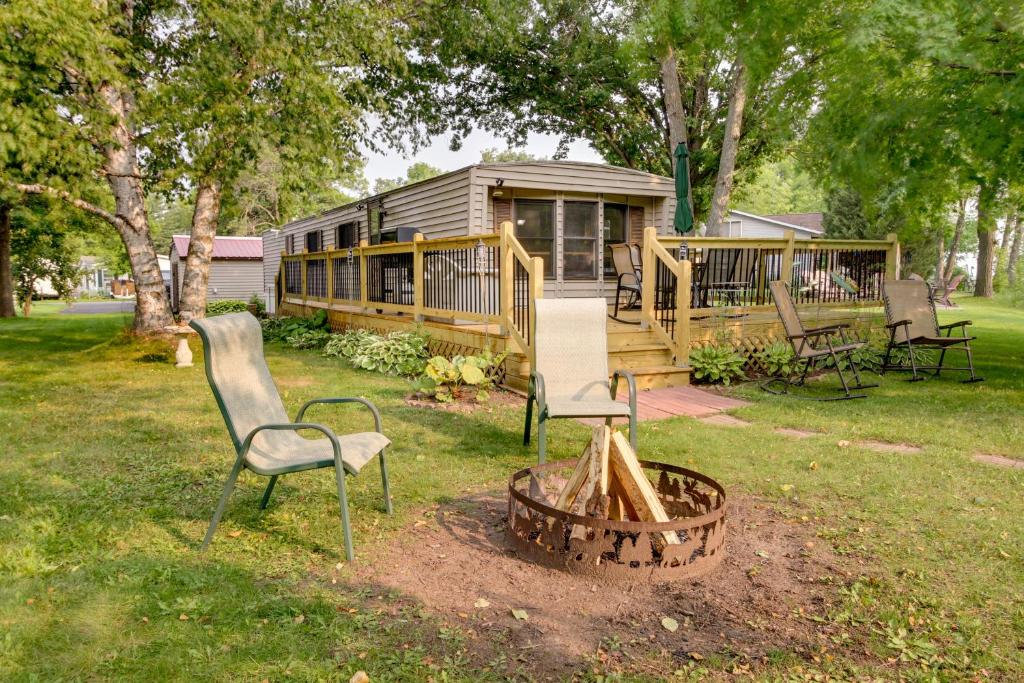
[488, 279]
[719, 274]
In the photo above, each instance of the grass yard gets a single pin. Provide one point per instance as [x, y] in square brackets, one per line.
[111, 461]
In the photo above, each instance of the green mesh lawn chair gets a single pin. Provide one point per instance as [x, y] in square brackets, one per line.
[814, 346]
[570, 377]
[913, 325]
[266, 441]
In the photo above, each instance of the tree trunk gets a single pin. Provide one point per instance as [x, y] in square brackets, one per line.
[676, 115]
[958, 233]
[1008, 229]
[6, 276]
[730, 147]
[986, 242]
[152, 310]
[192, 304]
[939, 274]
[1014, 256]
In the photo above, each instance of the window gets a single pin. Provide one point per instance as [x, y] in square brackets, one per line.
[535, 229]
[314, 240]
[616, 230]
[289, 244]
[579, 241]
[346, 235]
[374, 222]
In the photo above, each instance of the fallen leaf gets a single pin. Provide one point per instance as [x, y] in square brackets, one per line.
[761, 553]
[520, 614]
[235, 534]
[481, 603]
[843, 443]
[813, 465]
[183, 617]
[299, 619]
[670, 624]
[786, 488]
[696, 656]
[463, 615]
[359, 677]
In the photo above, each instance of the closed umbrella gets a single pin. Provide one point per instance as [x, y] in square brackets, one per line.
[683, 221]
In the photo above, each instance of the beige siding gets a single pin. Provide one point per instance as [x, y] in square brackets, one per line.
[755, 226]
[575, 177]
[273, 245]
[438, 207]
[229, 279]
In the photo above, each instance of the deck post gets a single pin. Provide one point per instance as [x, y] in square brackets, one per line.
[892, 257]
[683, 288]
[786, 275]
[536, 292]
[650, 269]
[506, 268]
[363, 294]
[417, 277]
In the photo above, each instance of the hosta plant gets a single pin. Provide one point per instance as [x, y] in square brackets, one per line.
[716, 363]
[396, 353]
[447, 380]
[778, 360]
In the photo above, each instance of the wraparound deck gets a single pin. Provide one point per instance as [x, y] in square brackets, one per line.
[475, 292]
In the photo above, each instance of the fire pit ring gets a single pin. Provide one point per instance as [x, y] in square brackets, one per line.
[623, 549]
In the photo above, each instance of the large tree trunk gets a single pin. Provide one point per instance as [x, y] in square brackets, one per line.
[200, 251]
[676, 114]
[730, 148]
[958, 233]
[939, 276]
[6, 276]
[986, 242]
[1014, 255]
[152, 310]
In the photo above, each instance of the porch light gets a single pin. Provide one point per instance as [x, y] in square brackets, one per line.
[684, 250]
[350, 255]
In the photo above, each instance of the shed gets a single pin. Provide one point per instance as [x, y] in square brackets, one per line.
[236, 271]
[567, 212]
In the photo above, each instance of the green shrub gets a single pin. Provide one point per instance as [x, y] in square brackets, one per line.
[716, 364]
[225, 306]
[397, 353]
[309, 339]
[279, 329]
[778, 359]
[446, 379]
[258, 305]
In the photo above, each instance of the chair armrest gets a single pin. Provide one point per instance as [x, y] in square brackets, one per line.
[630, 383]
[960, 323]
[816, 332]
[537, 389]
[363, 401]
[828, 328]
[294, 427]
[896, 324]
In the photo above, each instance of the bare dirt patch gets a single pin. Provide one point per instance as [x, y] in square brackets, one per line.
[886, 447]
[774, 582]
[999, 460]
[469, 405]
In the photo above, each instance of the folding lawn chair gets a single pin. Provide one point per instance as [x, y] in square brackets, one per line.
[570, 376]
[913, 325]
[627, 278]
[266, 441]
[813, 345]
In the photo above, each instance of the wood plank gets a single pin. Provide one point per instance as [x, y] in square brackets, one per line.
[578, 476]
[606, 436]
[640, 491]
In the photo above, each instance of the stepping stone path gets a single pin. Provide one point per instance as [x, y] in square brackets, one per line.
[796, 433]
[999, 460]
[724, 420]
[886, 447]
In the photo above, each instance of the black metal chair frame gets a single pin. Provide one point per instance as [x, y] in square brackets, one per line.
[635, 291]
[961, 343]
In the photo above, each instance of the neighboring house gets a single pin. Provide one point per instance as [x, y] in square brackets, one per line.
[803, 225]
[567, 212]
[236, 271]
[95, 280]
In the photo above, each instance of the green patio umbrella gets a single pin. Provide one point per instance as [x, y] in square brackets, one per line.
[683, 221]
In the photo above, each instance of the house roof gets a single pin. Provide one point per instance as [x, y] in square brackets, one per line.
[811, 221]
[250, 248]
[776, 220]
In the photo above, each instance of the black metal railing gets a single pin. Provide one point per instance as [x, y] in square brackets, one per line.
[293, 277]
[316, 277]
[666, 287]
[521, 299]
[727, 276]
[389, 278]
[837, 275]
[345, 276]
[464, 279]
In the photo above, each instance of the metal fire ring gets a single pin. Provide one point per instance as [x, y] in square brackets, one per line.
[617, 549]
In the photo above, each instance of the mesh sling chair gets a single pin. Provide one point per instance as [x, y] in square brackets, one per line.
[913, 324]
[627, 278]
[570, 376]
[813, 345]
[266, 441]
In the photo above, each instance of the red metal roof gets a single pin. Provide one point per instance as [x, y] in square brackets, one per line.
[225, 247]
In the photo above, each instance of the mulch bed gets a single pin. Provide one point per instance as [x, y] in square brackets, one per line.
[774, 582]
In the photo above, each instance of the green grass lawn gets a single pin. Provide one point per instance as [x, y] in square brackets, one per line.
[111, 461]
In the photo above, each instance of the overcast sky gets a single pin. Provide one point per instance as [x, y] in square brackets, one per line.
[394, 165]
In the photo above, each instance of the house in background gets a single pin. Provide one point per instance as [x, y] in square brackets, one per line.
[236, 271]
[803, 225]
[567, 212]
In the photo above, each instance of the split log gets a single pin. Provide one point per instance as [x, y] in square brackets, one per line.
[637, 486]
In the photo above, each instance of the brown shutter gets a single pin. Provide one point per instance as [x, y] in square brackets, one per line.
[502, 212]
[636, 224]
